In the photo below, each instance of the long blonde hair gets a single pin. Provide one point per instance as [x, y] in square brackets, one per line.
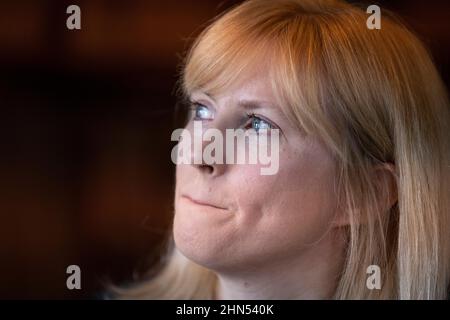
[373, 97]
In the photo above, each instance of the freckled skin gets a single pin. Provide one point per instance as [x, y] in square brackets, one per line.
[269, 219]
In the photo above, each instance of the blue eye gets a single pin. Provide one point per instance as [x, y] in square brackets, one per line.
[257, 123]
[201, 112]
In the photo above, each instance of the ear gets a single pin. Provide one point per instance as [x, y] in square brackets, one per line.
[386, 190]
[385, 176]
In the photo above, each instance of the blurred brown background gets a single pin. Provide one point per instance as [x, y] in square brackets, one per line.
[86, 117]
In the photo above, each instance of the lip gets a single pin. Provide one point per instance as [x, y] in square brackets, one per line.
[202, 202]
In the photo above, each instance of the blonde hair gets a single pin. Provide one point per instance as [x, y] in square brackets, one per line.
[373, 97]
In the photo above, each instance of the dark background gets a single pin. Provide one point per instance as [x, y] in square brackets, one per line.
[85, 123]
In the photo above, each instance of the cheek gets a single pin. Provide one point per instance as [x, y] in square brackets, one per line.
[277, 215]
[295, 205]
[185, 174]
[180, 172]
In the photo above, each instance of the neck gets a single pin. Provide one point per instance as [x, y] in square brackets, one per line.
[311, 275]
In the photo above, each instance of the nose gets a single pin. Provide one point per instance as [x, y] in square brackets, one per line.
[211, 162]
[206, 169]
[209, 168]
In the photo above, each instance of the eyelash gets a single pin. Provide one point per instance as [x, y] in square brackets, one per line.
[250, 116]
[193, 107]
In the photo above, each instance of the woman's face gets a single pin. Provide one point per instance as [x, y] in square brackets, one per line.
[240, 218]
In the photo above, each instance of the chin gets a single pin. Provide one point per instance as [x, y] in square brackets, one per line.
[207, 251]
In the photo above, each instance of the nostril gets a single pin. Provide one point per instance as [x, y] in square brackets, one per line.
[208, 168]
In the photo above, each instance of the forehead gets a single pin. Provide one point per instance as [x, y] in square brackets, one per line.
[216, 73]
[254, 87]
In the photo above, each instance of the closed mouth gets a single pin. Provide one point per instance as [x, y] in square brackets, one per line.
[202, 203]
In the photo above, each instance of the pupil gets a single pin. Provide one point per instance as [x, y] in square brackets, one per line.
[201, 113]
[256, 124]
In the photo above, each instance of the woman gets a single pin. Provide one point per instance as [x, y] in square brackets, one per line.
[363, 164]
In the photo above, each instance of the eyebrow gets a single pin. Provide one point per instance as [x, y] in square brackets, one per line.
[253, 104]
[245, 103]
